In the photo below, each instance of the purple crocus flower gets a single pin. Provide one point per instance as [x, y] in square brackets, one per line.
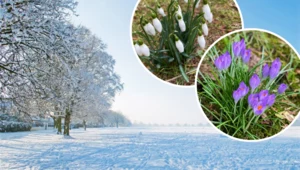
[265, 71]
[282, 88]
[240, 92]
[246, 54]
[236, 95]
[275, 68]
[223, 61]
[253, 99]
[260, 107]
[263, 94]
[271, 100]
[244, 89]
[238, 48]
[254, 82]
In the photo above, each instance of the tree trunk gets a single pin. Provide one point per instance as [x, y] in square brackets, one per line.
[117, 125]
[67, 123]
[54, 122]
[84, 124]
[58, 125]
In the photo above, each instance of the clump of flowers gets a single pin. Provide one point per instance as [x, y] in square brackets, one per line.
[172, 33]
[261, 100]
[241, 95]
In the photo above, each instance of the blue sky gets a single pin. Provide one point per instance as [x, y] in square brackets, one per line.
[279, 16]
[148, 99]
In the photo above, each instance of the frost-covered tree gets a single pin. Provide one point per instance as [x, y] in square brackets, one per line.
[49, 64]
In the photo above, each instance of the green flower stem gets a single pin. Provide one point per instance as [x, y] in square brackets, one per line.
[248, 125]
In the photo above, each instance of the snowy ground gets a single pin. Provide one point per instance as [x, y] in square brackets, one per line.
[146, 148]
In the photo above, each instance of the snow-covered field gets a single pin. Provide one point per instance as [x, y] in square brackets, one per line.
[146, 148]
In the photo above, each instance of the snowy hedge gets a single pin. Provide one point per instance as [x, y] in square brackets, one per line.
[10, 126]
[10, 123]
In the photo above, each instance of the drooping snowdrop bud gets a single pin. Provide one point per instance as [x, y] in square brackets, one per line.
[201, 40]
[156, 23]
[205, 29]
[149, 28]
[208, 17]
[207, 12]
[145, 50]
[160, 10]
[181, 23]
[138, 49]
[179, 11]
[206, 8]
[198, 3]
[179, 45]
[211, 18]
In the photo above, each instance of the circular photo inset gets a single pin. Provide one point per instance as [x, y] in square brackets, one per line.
[170, 36]
[248, 84]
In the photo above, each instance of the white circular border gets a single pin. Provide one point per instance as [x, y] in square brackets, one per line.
[197, 72]
[165, 82]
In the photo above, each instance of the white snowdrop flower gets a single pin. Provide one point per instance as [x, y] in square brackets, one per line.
[161, 11]
[179, 11]
[210, 18]
[179, 45]
[156, 23]
[206, 9]
[138, 49]
[149, 28]
[201, 40]
[146, 28]
[205, 29]
[181, 24]
[145, 50]
[198, 3]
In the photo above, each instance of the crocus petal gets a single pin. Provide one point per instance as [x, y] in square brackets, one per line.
[263, 94]
[201, 41]
[254, 82]
[253, 99]
[205, 29]
[265, 71]
[227, 60]
[223, 61]
[271, 100]
[282, 88]
[218, 63]
[259, 108]
[244, 89]
[242, 44]
[275, 68]
[241, 92]
[236, 95]
[179, 46]
[157, 25]
[246, 55]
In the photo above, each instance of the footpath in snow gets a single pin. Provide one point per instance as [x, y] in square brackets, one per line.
[146, 148]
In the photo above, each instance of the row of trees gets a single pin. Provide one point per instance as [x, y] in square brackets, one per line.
[48, 65]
